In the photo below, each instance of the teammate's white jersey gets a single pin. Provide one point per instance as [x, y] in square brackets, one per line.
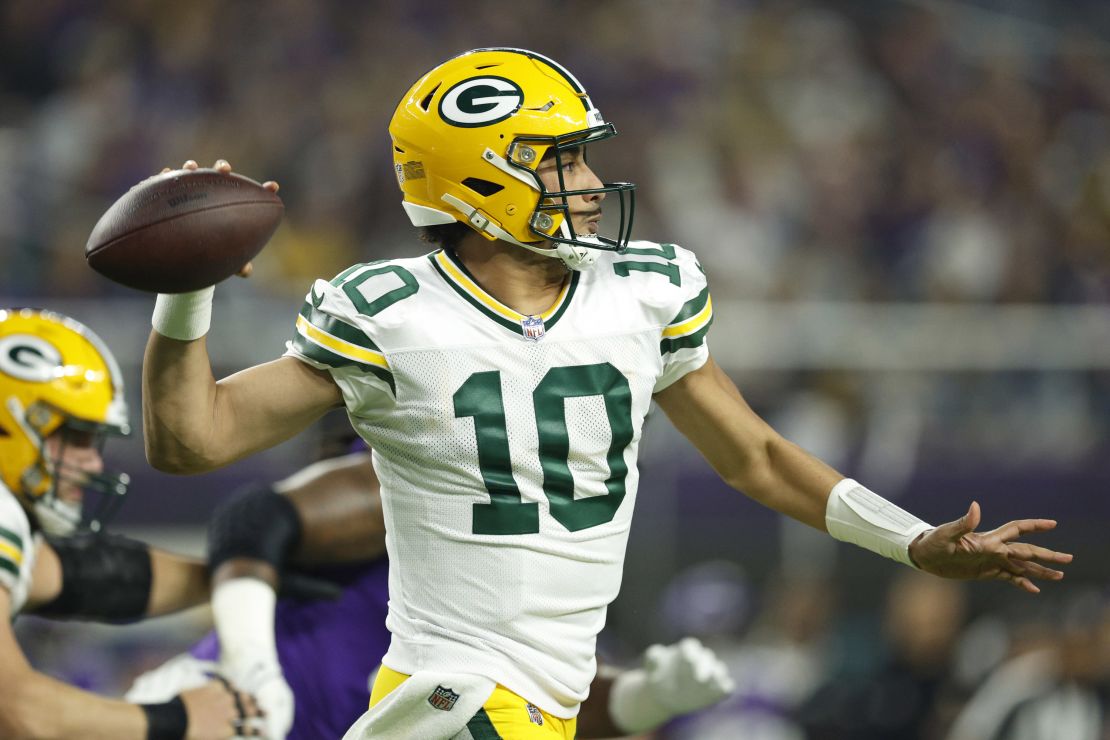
[17, 549]
[506, 447]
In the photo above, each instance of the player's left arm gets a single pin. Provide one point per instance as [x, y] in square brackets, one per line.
[750, 456]
[112, 578]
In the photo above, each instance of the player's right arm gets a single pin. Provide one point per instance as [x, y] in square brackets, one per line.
[191, 422]
[33, 705]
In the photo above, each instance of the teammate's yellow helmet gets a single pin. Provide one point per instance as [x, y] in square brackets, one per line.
[467, 139]
[55, 376]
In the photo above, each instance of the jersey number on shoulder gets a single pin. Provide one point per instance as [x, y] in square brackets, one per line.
[668, 268]
[480, 397]
[369, 308]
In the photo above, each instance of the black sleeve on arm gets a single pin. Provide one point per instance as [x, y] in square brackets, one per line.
[257, 523]
[104, 577]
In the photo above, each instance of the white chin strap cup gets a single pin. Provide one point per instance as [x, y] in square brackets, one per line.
[574, 257]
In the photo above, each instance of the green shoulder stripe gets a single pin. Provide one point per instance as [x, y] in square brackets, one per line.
[686, 342]
[315, 352]
[9, 566]
[11, 537]
[338, 329]
[692, 307]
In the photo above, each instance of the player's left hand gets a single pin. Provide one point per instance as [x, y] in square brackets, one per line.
[956, 550]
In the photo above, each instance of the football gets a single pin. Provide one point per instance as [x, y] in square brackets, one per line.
[183, 230]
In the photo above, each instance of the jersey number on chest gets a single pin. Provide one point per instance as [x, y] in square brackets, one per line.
[480, 397]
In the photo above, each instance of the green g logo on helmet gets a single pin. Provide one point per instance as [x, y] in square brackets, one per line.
[480, 101]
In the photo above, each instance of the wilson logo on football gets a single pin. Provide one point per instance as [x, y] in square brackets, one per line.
[480, 101]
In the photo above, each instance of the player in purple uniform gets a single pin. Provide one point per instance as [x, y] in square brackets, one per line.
[325, 522]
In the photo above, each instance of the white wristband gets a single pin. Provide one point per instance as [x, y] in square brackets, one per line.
[243, 609]
[184, 316]
[861, 516]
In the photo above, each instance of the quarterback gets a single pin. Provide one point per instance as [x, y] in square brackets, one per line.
[502, 382]
[60, 394]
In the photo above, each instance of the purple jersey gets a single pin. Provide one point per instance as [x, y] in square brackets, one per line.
[328, 649]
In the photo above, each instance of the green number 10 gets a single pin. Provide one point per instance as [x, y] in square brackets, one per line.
[480, 397]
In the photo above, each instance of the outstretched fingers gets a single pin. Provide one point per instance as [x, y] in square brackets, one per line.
[1013, 530]
[1025, 551]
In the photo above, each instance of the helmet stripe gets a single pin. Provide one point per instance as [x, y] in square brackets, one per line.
[563, 71]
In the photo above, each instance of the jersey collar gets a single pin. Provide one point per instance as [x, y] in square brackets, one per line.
[459, 278]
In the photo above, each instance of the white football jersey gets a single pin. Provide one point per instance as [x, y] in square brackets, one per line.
[506, 447]
[17, 549]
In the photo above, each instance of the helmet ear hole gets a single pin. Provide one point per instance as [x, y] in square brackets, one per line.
[485, 188]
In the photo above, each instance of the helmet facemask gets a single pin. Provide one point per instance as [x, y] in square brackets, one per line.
[557, 202]
[102, 492]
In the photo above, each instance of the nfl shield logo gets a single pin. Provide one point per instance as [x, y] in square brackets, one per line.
[533, 328]
[534, 715]
[443, 698]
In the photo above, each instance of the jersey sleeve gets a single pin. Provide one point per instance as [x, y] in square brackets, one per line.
[331, 335]
[683, 344]
[15, 541]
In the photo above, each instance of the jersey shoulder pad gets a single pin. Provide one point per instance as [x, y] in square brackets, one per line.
[343, 320]
[666, 277]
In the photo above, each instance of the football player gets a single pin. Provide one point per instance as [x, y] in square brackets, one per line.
[502, 382]
[308, 662]
[60, 396]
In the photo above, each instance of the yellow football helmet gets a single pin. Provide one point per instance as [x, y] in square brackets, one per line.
[467, 139]
[56, 376]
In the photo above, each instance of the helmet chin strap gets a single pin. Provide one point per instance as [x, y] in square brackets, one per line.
[574, 257]
[57, 517]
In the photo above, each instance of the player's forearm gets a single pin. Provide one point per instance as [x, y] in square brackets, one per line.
[786, 478]
[177, 583]
[178, 404]
[42, 708]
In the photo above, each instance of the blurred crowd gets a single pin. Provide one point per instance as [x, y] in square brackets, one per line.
[875, 151]
[925, 666]
[846, 150]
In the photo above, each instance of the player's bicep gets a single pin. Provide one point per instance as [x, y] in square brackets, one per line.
[707, 408]
[46, 578]
[339, 504]
[267, 404]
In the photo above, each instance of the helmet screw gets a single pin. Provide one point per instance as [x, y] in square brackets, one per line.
[527, 154]
[543, 221]
[510, 209]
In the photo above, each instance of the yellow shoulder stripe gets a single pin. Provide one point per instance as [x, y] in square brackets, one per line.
[692, 324]
[353, 351]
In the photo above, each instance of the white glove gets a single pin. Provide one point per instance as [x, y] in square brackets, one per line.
[263, 680]
[675, 679]
[243, 609]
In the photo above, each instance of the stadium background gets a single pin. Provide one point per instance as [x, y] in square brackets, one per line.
[903, 208]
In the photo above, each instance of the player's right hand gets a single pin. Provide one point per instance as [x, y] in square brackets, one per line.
[222, 165]
[217, 711]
